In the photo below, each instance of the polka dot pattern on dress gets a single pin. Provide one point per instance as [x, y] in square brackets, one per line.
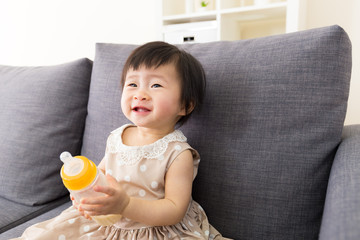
[62, 237]
[127, 178]
[86, 228]
[142, 193]
[154, 184]
[109, 171]
[120, 163]
[143, 168]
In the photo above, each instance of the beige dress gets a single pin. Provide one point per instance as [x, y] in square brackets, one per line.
[141, 170]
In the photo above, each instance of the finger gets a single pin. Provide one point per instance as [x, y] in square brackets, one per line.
[82, 213]
[87, 208]
[107, 190]
[92, 210]
[93, 201]
[111, 180]
[87, 216]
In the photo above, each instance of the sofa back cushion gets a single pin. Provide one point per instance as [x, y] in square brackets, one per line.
[42, 113]
[267, 133]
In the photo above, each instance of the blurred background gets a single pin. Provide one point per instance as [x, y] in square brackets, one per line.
[47, 32]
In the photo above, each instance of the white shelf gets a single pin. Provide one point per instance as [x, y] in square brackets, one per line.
[190, 17]
[236, 21]
[250, 13]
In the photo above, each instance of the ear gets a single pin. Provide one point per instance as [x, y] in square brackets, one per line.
[185, 112]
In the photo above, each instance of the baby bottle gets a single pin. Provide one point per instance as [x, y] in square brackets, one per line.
[79, 176]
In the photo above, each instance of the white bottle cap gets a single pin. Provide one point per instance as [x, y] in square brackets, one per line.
[72, 165]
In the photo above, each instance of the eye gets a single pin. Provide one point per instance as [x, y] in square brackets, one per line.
[132, 85]
[156, 85]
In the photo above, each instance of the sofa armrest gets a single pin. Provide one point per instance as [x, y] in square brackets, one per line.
[341, 218]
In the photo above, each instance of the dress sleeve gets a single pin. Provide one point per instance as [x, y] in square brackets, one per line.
[176, 148]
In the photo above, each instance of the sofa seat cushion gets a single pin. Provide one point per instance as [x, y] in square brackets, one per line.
[267, 133]
[30, 216]
[14, 214]
[42, 113]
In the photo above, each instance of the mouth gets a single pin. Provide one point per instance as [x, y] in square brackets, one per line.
[140, 109]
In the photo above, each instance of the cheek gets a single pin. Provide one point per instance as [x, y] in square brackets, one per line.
[124, 103]
[169, 104]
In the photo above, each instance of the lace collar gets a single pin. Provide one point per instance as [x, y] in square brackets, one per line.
[129, 155]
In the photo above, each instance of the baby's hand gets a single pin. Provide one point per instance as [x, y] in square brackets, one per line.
[76, 205]
[115, 201]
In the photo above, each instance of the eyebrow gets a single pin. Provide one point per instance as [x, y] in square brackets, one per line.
[134, 76]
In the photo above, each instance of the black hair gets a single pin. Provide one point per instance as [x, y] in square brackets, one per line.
[190, 70]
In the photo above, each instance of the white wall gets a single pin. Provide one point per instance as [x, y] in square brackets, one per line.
[345, 13]
[44, 32]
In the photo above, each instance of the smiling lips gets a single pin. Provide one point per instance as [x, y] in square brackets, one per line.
[140, 109]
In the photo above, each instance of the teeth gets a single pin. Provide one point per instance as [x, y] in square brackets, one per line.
[138, 109]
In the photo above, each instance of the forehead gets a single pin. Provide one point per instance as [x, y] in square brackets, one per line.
[166, 71]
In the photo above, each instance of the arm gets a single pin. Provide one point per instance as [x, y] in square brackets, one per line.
[167, 211]
[341, 213]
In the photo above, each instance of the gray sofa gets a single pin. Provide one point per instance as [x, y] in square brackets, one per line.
[276, 160]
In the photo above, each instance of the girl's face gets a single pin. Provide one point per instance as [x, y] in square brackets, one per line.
[151, 97]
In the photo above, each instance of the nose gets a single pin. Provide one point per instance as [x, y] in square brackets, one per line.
[141, 96]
